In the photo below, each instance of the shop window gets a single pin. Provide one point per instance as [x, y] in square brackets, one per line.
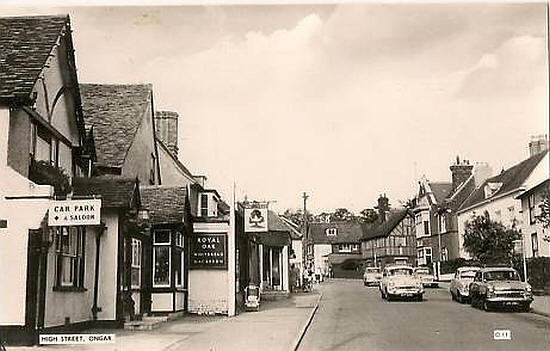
[69, 256]
[161, 258]
[136, 263]
[344, 248]
[331, 231]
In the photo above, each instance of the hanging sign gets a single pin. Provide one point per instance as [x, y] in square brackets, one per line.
[74, 212]
[255, 217]
[208, 251]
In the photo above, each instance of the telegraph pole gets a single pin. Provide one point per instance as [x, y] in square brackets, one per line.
[305, 241]
[305, 196]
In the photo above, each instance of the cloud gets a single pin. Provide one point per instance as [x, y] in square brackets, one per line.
[513, 68]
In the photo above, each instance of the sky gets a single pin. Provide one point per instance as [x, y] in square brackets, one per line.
[345, 102]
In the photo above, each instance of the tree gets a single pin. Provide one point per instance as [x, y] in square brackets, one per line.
[297, 216]
[368, 215]
[489, 241]
[342, 215]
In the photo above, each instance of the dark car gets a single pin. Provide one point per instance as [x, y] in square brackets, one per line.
[500, 287]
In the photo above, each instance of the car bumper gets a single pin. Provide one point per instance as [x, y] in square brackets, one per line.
[405, 292]
[509, 300]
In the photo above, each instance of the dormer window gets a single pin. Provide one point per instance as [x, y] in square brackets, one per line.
[491, 188]
[331, 231]
[208, 205]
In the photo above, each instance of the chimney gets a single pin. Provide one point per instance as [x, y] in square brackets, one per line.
[538, 144]
[383, 207]
[166, 126]
[201, 180]
[460, 172]
[482, 171]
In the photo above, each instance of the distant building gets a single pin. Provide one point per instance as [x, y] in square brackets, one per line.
[391, 240]
[536, 238]
[498, 195]
[336, 245]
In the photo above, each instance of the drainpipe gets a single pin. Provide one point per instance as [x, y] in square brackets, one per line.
[95, 309]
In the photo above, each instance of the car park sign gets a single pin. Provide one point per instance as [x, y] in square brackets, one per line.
[74, 212]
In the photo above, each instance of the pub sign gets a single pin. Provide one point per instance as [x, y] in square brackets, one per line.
[208, 251]
[255, 217]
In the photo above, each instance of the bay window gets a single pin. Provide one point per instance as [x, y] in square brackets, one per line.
[136, 263]
[161, 258]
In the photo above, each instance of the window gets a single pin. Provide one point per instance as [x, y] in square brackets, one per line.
[348, 248]
[178, 268]
[444, 254]
[136, 263]
[428, 255]
[535, 244]
[69, 256]
[310, 249]
[400, 241]
[442, 224]
[204, 205]
[531, 204]
[161, 258]
[331, 231]
[153, 167]
[179, 239]
[426, 228]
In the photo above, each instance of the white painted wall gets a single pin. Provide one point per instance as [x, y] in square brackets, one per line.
[108, 254]
[21, 215]
[320, 250]
[528, 229]
[209, 289]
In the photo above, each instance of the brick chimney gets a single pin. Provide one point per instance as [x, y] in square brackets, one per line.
[460, 172]
[538, 144]
[166, 126]
[383, 207]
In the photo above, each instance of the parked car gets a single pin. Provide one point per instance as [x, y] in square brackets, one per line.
[427, 278]
[460, 284]
[498, 286]
[400, 281]
[372, 276]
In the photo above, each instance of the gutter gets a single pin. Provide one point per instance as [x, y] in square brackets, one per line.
[491, 199]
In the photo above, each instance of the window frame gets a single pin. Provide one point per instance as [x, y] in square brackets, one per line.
[75, 253]
[531, 204]
[136, 262]
[162, 245]
[203, 205]
[535, 244]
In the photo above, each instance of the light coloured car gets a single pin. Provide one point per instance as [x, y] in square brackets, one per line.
[372, 276]
[498, 286]
[400, 281]
[460, 284]
[427, 278]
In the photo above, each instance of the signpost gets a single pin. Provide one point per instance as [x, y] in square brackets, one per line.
[255, 217]
[74, 212]
[209, 251]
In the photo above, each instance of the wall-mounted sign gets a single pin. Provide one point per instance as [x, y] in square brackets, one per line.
[255, 217]
[74, 212]
[208, 251]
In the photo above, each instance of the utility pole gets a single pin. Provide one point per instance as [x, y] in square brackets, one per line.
[305, 196]
[305, 241]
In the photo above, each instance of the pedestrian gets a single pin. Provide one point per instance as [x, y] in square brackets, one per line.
[293, 277]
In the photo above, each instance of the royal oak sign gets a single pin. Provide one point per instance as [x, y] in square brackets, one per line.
[74, 212]
[209, 251]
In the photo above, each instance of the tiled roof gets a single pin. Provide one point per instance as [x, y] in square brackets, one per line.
[535, 188]
[348, 232]
[511, 179]
[275, 223]
[294, 228]
[441, 190]
[376, 230]
[25, 44]
[115, 111]
[166, 204]
[115, 191]
[461, 194]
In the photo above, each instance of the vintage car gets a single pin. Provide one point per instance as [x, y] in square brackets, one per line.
[427, 278]
[498, 286]
[372, 276]
[460, 284]
[400, 281]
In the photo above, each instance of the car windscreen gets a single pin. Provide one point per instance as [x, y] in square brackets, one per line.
[468, 274]
[422, 271]
[501, 275]
[400, 271]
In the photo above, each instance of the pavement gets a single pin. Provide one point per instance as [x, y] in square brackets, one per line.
[279, 325]
[353, 317]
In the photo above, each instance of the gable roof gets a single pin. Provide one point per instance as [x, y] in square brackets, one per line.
[294, 228]
[115, 111]
[377, 230]
[275, 223]
[166, 204]
[511, 179]
[441, 190]
[461, 193]
[540, 186]
[26, 42]
[115, 191]
[348, 232]
[176, 161]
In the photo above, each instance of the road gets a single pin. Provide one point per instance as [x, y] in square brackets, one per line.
[354, 317]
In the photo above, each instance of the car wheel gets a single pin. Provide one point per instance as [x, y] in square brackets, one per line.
[486, 305]
[473, 301]
[364, 283]
[525, 307]
[459, 297]
[382, 294]
[389, 297]
[420, 297]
